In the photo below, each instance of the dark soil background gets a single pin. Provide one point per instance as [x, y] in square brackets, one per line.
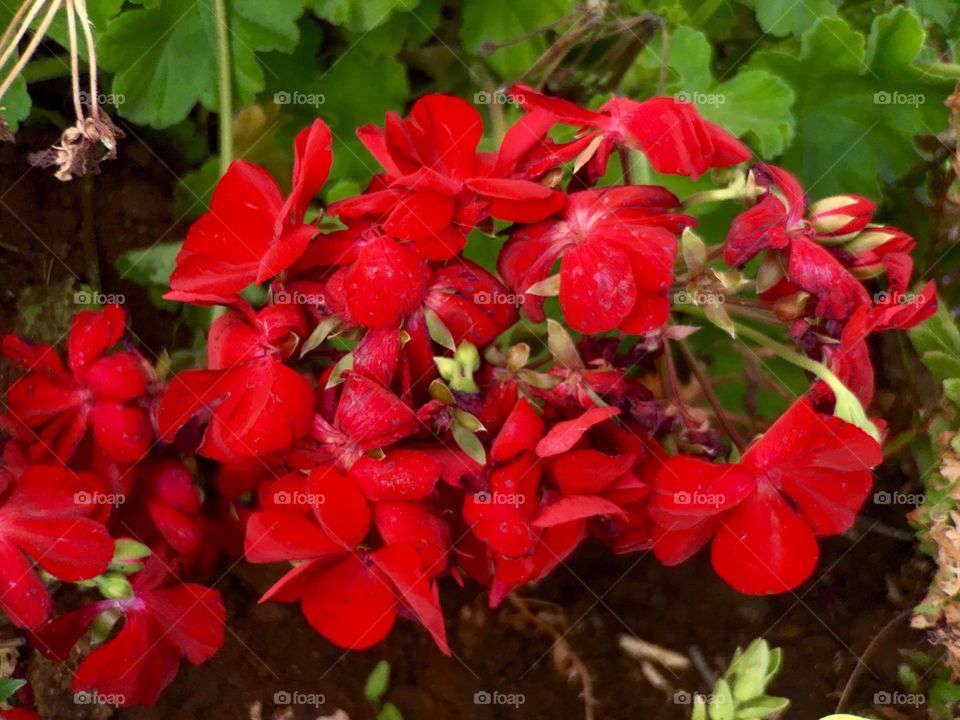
[863, 585]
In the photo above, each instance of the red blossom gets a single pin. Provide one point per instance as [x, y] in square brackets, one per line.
[806, 477]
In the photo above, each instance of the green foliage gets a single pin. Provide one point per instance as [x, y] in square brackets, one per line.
[937, 341]
[8, 686]
[163, 61]
[741, 693]
[859, 101]
[378, 682]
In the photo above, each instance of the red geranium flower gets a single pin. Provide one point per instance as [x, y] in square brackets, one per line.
[351, 595]
[256, 404]
[162, 623]
[44, 516]
[671, 133]
[98, 390]
[438, 187]
[806, 477]
[251, 233]
[618, 248]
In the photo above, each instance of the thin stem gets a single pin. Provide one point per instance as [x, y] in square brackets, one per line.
[664, 58]
[224, 77]
[711, 396]
[74, 62]
[9, 49]
[31, 48]
[8, 33]
[951, 70]
[81, 7]
[624, 154]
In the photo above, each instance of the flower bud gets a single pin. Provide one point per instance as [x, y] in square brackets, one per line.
[840, 215]
[880, 239]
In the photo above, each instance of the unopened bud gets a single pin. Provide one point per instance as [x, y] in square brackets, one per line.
[840, 215]
[790, 307]
[876, 237]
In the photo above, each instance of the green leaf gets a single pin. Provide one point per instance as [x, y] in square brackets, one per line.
[389, 712]
[859, 102]
[378, 682]
[8, 686]
[193, 192]
[468, 441]
[497, 21]
[762, 707]
[149, 266]
[749, 671]
[785, 17]
[359, 16]
[721, 704]
[15, 105]
[163, 57]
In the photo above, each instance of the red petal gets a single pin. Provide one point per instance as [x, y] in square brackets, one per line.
[564, 435]
[521, 431]
[385, 284]
[117, 378]
[70, 549]
[400, 475]
[312, 158]
[91, 334]
[588, 471]
[342, 509]
[350, 605]
[597, 289]
[812, 268]
[575, 507]
[275, 535]
[762, 226]
[414, 524]
[764, 547]
[192, 617]
[24, 598]
[401, 564]
[124, 433]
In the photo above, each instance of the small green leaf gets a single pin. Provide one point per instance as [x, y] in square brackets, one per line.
[319, 334]
[336, 377]
[721, 704]
[749, 671]
[378, 682]
[762, 707]
[468, 441]
[439, 332]
[8, 686]
[389, 712]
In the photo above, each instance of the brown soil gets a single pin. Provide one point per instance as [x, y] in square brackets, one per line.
[863, 583]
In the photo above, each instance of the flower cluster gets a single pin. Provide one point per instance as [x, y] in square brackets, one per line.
[394, 413]
[81, 444]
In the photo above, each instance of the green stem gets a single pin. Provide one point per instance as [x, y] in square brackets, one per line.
[848, 407]
[224, 75]
[951, 70]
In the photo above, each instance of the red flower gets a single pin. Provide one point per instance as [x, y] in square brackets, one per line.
[807, 476]
[162, 623]
[169, 505]
[349, 594]
[251, 232]
[256, 404]
[438, 187]
[618, 249]
[99, 391]
[671, 133]
[44, 516]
